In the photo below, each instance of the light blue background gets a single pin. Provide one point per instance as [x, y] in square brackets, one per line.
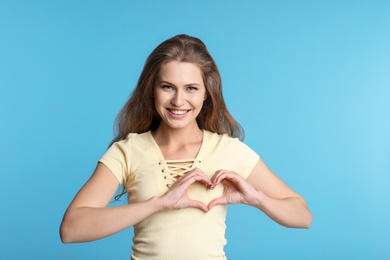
[308, 80]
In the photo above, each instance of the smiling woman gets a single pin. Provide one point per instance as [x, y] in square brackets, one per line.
[179, 95]
[178, 155]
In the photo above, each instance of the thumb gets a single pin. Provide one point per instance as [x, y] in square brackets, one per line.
[198, 204]
[217, 201]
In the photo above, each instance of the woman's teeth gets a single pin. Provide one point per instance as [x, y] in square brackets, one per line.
[179, 112]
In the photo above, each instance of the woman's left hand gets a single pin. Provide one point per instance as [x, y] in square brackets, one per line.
[237, 190]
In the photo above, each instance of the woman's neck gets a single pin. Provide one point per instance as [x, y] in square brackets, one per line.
[166, 136]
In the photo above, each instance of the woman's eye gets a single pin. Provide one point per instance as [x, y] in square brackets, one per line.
[192, 88]
[167, 87]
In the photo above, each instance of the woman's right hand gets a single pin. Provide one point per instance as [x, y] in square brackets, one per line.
[176, 197]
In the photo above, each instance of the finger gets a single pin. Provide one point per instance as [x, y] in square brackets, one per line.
[217, 201]
[216, 174]
[216, 178]
[198, 171]
[194, 175]
[190, 179]
[221, 175]
[198, 204]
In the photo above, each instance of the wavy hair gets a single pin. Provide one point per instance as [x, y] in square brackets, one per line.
[139, 114]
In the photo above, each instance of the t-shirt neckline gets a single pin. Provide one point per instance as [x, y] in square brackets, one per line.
[205, 135]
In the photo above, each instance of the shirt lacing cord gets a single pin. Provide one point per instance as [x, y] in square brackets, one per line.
[177, 168]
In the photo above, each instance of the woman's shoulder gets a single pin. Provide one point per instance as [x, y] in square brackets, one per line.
[228, 146]
[139, 136]
[221, 140]
[135, 139]
[222, 137]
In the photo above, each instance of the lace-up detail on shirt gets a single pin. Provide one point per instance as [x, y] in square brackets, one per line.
[176, 169]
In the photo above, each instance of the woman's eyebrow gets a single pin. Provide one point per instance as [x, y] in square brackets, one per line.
[169, 83]
[165, 82]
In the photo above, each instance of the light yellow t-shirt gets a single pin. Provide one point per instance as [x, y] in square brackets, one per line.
[138, 164]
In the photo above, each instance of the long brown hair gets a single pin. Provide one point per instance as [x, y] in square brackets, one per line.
[139, 114]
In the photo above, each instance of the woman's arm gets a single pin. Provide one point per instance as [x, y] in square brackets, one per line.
[277, 200]
[88, 218]
[265, 191]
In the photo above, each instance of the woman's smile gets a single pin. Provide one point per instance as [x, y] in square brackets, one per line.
[178, 112]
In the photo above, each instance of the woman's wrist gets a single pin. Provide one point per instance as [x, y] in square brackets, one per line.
[258, 200]
[158, 203]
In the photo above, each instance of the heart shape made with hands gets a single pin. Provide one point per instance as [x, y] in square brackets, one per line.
[226, 190]
[205, 194]
[196, 190]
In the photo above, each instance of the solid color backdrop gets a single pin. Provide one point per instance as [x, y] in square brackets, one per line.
[308, 80]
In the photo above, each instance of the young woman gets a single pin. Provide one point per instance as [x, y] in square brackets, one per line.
[178, 155]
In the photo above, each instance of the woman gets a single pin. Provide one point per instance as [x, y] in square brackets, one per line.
[178, 156]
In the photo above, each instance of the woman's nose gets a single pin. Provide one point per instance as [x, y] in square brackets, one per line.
[178, 99]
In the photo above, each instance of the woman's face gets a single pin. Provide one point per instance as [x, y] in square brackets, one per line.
[179, 94]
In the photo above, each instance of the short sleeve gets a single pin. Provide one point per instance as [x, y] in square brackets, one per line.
[245, 156]
[116, 159]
